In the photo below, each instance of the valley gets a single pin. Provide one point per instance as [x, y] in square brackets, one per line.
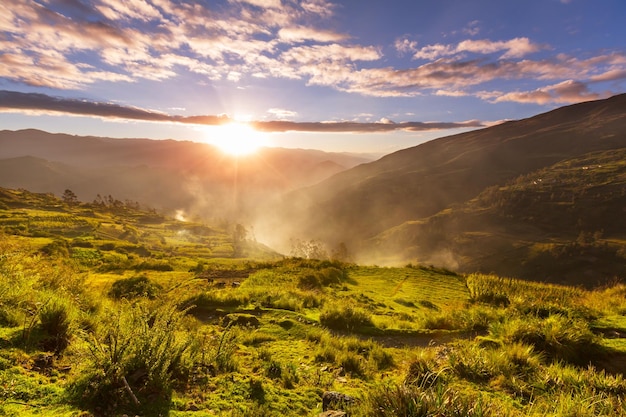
[474, 275]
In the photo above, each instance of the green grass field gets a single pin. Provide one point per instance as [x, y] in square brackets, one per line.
[103, 313]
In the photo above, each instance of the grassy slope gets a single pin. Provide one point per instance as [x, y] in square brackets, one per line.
[298, 328]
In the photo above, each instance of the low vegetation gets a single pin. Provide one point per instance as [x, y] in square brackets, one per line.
[86, 330]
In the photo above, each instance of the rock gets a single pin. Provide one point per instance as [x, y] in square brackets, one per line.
[333, 400]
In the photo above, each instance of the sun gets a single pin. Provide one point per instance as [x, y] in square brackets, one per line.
[236, 138]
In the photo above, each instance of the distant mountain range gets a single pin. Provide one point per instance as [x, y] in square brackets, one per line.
[542, 198]
[164, 174]
[388, 210]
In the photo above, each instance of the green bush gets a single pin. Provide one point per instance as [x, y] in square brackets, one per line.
[213, 300]
[8, 317]
[154, 266]
[309, 282]
[137, 356]
[352, 363]
[58, 248]
[57, 324]
[345, 317]
[408, 401]
[134, 287]
[274, 369]
[421, 373]
[331, 275]
[557, 337]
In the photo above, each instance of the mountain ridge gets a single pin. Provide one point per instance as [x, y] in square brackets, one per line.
[165, 174]
[420, 181]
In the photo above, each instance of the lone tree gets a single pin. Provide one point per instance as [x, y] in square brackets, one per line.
[239, 238]
[69, 197]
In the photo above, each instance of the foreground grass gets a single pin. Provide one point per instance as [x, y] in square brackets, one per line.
[99, 325]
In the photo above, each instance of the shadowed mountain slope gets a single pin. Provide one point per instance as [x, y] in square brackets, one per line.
[419, 182]
[565, 223]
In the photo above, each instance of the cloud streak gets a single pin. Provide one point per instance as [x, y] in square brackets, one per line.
[357, 127]
[13, 101]
[35, 102]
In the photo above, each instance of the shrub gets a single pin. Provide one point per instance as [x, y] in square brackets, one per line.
[309, 282]
[408, 401]
[134, 287]
[57, 324]
[136, 357]
[274, 369]
[420, 373]
[256, 390]
[213, 300]
[154, 266]
[289, 376]
[352, 363]
[345, 317]
[331, 275]
[57, 248]
[557, 337]
[8, 317]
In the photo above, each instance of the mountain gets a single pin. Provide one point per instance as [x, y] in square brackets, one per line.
[414, 184]
[565, 223]
[165, 174]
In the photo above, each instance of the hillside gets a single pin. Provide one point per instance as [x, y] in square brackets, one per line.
[419, 182]
[166, 174]
[564, 223]
[110, 310]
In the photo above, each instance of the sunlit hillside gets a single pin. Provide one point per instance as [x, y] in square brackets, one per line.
[110, 310]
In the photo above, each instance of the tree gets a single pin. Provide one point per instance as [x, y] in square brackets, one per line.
[340, 253]
[312, 249]
[69, 197]
[239, 238]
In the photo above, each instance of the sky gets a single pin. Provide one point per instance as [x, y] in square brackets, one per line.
[368, 76]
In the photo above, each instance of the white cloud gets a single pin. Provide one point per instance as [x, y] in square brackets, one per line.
[451, 93]
[472, 28]
[128, 9]
[404, 45]
[303, 33]
[320, 7]
[514, 48]
[565, 92]
[282, 114]
[269, 4]
[329, 53]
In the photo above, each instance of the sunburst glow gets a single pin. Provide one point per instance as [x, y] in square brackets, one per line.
[236, 138]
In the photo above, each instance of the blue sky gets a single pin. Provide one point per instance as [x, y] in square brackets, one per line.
[361, 76]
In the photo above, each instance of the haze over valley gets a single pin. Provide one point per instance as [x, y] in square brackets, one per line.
[443, 203]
